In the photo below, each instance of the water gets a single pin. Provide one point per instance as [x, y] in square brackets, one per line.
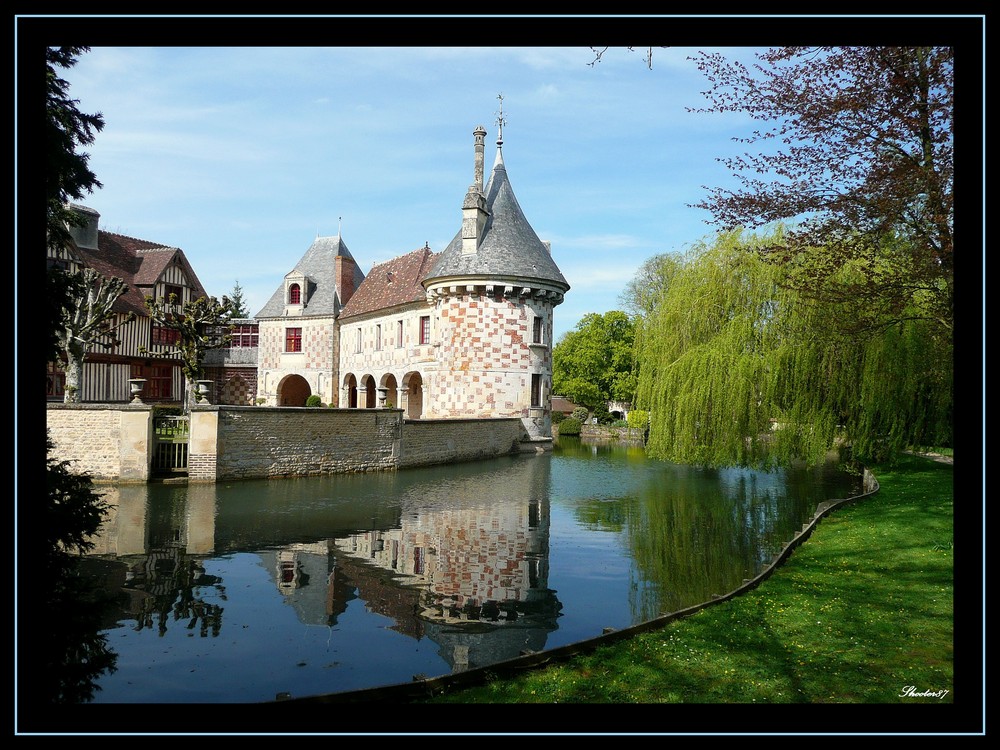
[250, 591]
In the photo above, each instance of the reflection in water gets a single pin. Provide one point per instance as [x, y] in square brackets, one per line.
[322, 584]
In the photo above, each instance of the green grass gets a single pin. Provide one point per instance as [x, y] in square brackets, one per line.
[862, 609]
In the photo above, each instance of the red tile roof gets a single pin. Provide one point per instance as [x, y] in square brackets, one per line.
[395, 282]
[139, 263]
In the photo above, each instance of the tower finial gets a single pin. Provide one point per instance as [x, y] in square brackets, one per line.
[500, 122]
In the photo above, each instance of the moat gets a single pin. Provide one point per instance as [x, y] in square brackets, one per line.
[260, 590]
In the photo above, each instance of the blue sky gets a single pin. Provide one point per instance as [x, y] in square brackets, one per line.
[241, 156]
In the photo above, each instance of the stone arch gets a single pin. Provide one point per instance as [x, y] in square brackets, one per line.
[293, 390]
[413, 392]
[351, 388]
[236, 391]
[391, 387]
[368, 385]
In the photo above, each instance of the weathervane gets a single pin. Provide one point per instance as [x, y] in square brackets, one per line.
[500, 121]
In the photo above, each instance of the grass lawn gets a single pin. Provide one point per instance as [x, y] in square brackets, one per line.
[861, 613]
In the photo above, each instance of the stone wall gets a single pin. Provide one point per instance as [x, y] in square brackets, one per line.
[115, 443]
[110, 442]
[437, 441]
[254, 442]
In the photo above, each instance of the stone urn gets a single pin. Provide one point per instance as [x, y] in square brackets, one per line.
[204, 386]
[135, 386]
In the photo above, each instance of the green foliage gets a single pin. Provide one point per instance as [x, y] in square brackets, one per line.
[68, 653]
[239, 302]
[314, 400]
[570, 426]
[731, 348]
[67, 173]
[581, 414]
[637, 419]
[197, 324]
[592, 364]
[558, 417]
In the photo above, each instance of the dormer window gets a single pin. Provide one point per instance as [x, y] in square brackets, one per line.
[294, 295]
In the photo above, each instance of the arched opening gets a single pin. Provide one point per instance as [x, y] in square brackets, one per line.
[236, 391]
[368, 385]
[391, 391]
[413, 387]
[351, 384]
[293, 391]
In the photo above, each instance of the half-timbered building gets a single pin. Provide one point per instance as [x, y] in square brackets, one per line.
[144, 349]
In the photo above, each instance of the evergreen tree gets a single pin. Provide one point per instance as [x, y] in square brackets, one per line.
[238, 301]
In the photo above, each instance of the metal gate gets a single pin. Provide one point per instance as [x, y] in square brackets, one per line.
[170, 445]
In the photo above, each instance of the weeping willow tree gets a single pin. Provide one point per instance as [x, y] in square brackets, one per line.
[737, 368]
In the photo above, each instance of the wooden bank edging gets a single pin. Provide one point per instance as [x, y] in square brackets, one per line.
[423, 688]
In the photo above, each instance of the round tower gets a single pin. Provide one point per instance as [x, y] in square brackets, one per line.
[493, 291]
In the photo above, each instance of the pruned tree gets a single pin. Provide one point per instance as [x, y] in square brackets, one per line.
[201, 325]
[855, 155]
[88, 320]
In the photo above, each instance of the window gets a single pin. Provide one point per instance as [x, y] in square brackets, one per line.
[163, 336]
[293, 339]
[243, 337]
[159, 380]
[357, 341]
[536, 331]
[536, 390]
[294, 294]
[176, 291]
[425, 329]
[399, 333]
[55, 381]
[378, 337]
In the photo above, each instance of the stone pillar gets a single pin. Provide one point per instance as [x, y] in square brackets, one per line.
[204, 444]
[135, 442]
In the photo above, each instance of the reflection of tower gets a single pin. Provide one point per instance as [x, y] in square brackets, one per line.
[287, 572]
[474, 548]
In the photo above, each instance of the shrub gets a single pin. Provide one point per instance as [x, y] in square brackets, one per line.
[580, 414]
[570, 426]
[558, 416]
[314, 400]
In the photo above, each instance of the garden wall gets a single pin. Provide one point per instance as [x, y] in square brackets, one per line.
[114, 443]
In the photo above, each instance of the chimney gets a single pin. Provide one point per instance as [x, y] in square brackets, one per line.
[344, 270]
[474, 208]
[85, 236]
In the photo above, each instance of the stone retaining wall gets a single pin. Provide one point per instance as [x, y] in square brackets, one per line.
[439, 441]
[114, 443]
[110, 442]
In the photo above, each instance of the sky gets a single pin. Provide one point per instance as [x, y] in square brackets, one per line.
[242, 156]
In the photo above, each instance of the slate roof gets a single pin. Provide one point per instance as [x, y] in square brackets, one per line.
[395, 282]
[318, 265]
[509, 246]
[139, 263]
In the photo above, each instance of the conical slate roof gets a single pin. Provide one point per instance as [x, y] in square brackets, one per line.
[319, 266]
[509, 248]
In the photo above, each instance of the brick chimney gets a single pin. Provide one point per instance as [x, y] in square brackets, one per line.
[344, 270]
